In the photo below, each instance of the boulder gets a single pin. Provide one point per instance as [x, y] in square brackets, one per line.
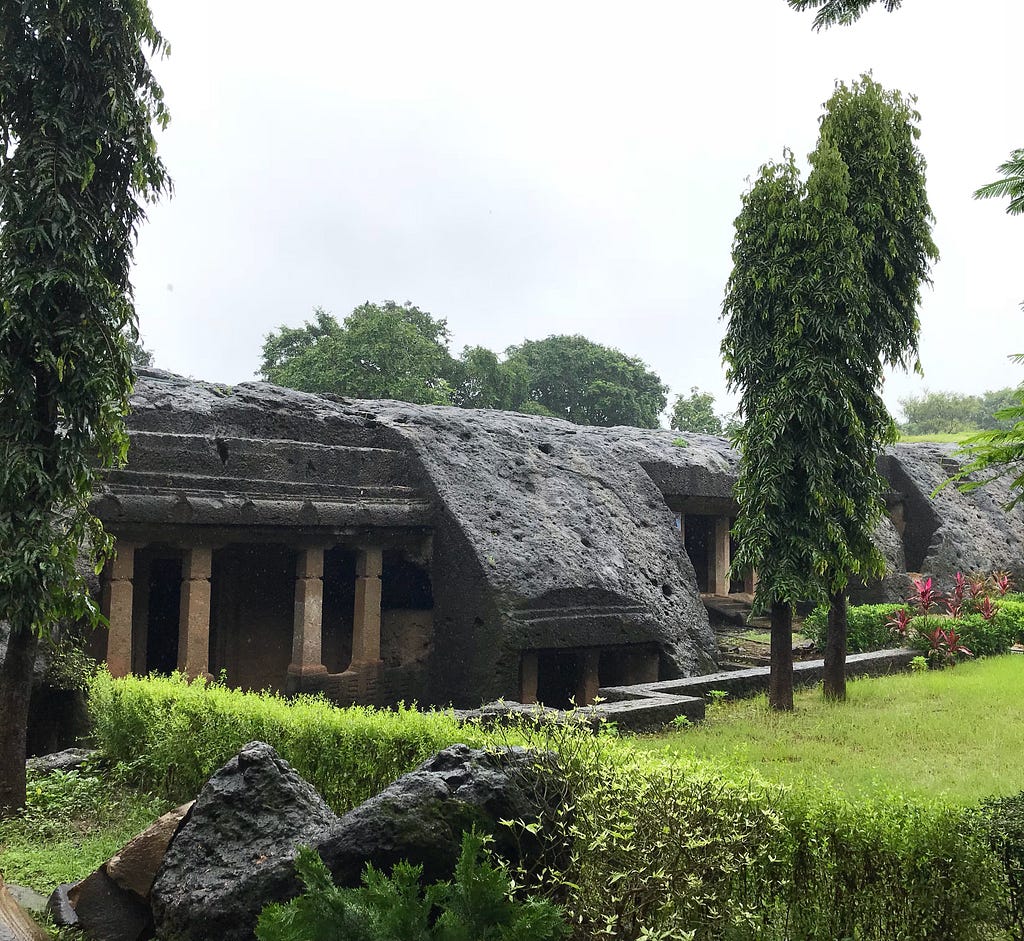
[422, 816]
[66, 760]
[112, 903]
[15, 923]
[234, 852]
[60, 908]
[106, 912]
[135, 866]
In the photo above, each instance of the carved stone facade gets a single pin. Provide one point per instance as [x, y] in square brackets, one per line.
[379, 551]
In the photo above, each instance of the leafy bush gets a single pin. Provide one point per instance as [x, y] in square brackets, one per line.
[72, 822]
[868, 626]
[475, 906]
[1010, 617]
[170, 735]
[1002, 822]
[885, 868]
[983, 638]
[662, 849]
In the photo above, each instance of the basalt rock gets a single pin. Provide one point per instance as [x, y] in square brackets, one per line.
[234, 852]
[422, 816]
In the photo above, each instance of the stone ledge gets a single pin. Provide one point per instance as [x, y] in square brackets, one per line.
[750, 682]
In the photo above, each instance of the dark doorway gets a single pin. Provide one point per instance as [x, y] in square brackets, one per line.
[339, 605]
[404, 584]
[163, 615]
[698, 539]
[557, 677]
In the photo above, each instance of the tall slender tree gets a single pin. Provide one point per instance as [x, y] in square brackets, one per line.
[78, 103]
[824, 290]
[875, 131]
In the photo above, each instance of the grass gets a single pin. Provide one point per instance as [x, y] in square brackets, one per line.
[954, 437]
[73, 822]
[956, 733]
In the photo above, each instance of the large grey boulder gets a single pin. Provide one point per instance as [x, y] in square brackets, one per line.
[422, 816]
[234, 852]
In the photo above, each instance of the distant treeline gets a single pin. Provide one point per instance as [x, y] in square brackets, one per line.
[950, 412]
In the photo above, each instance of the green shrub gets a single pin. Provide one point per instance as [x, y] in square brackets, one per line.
[171, 735]
[983, 638]
[665, 849]
[885, 868]
[868, 626]
[475, 906]
[1002, 822]
[1010, 616]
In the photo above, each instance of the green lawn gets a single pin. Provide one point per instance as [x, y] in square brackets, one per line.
[959, 733]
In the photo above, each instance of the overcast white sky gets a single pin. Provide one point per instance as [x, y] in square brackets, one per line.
[528, 168]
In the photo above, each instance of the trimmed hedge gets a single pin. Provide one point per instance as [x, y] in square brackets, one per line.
[661, 847]
[867, 626]
[170, 735]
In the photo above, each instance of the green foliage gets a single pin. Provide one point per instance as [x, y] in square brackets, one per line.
[868, 626]
[485, 381]
[824, 288]
[983, 638]
[1012, 183]
[587, 383]
[77, 158]
[1002, 822]
[474, 906]
[832, 12]
[171, 735]
[400, 352]
[992, 455]
[889, 868]
[952, 412]
[695, 413]
[381, 351]
[72, 822]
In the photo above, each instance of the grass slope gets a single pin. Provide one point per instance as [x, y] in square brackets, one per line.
[957, 733]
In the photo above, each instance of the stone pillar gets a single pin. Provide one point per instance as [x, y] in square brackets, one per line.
[117, 603]
[588, 683]
[366, 621]
[718, 557]
[528, 676]
[307, 628]
[194, 623]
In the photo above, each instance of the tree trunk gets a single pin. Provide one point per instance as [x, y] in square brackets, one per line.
[15, 691]
[780, 679]
[835, 648]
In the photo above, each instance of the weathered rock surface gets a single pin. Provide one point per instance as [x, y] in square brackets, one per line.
[135, 866]
[950, 531]
[112, 903]
[106, 912]
[66, 760]
[545, 534]
[234, 852]
[15, 923]
[422, 816]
